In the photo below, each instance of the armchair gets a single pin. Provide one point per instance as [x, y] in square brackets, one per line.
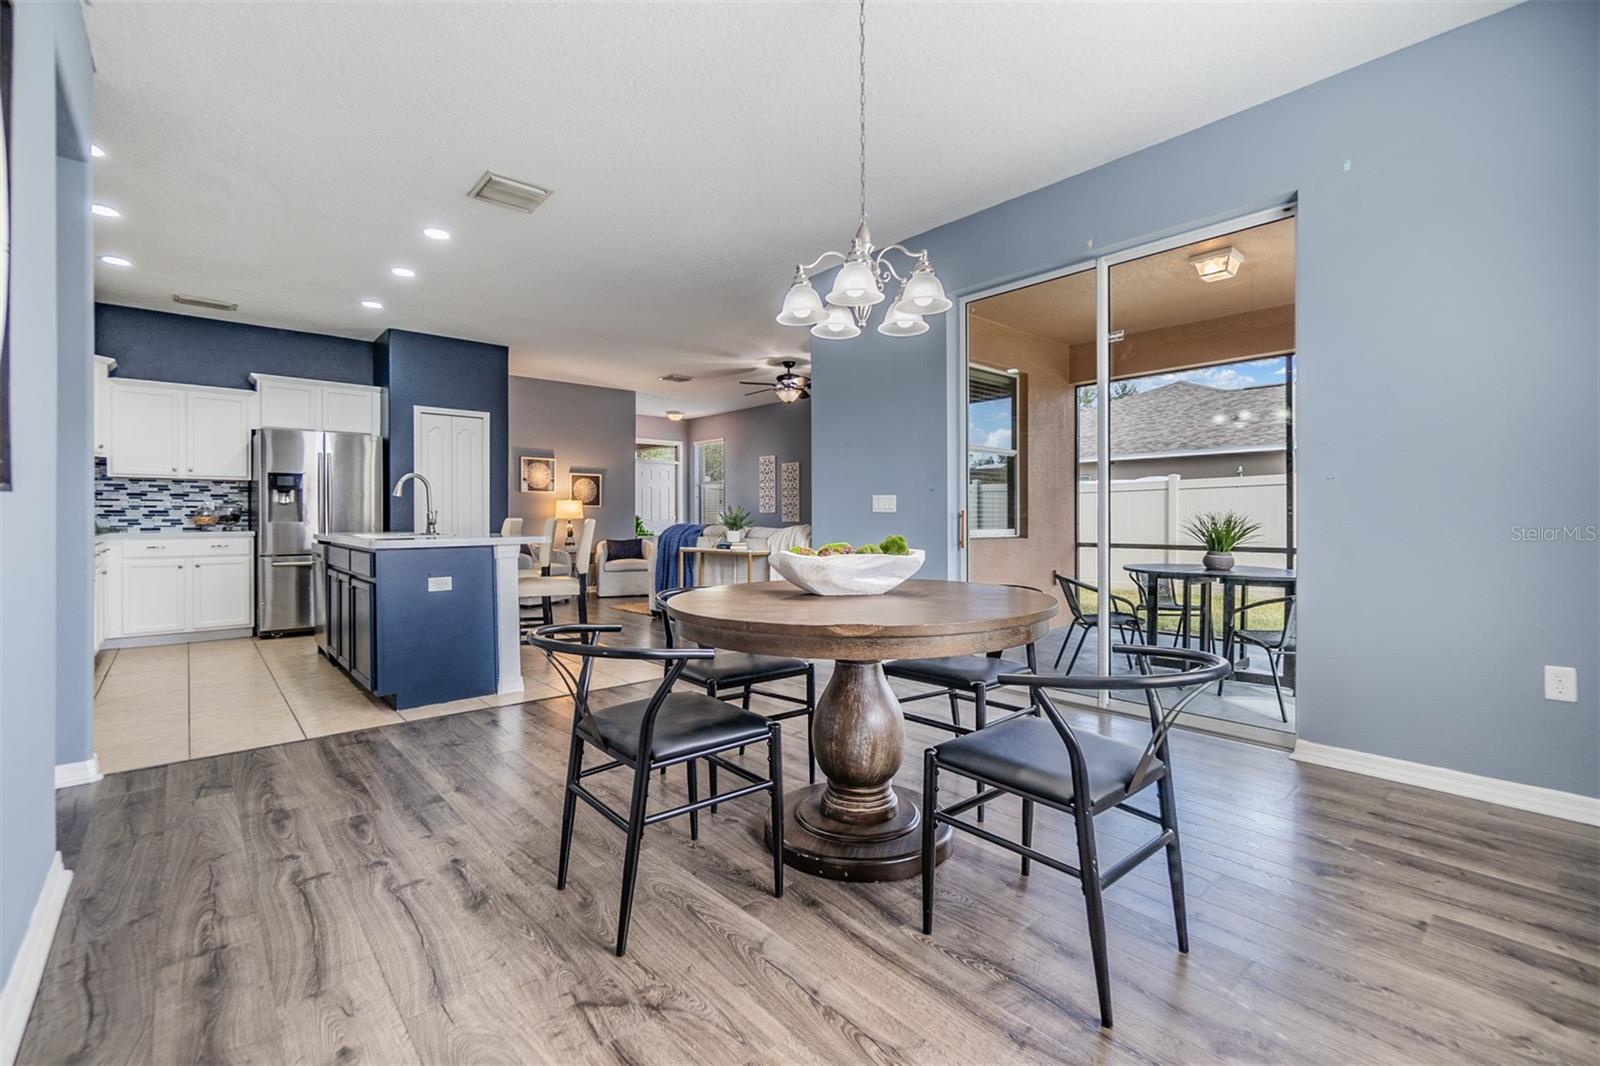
[624, 577]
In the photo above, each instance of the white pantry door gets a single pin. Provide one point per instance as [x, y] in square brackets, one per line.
[452, 452]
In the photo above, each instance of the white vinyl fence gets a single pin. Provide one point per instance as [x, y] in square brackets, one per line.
[1155, 510]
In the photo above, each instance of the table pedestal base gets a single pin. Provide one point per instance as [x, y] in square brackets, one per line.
[843, 851]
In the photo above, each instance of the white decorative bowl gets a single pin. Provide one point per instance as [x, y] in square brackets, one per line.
[846, 575]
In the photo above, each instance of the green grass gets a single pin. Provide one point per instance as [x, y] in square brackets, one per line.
[1267, 619]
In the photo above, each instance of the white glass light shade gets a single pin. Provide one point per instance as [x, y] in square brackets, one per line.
[788, 395]
[855, 285]
[924, 294]
[802, 306]
[901, 323]
[840, 326]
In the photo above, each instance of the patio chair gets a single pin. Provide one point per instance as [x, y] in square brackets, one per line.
[1167, 605]
[1125, 622]
[1277, 643]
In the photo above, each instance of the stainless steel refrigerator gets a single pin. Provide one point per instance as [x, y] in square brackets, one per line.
[307, 483]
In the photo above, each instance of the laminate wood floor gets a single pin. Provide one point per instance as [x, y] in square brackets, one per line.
[388, 896]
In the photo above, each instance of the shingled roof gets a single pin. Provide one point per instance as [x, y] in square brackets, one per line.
[1186, 417]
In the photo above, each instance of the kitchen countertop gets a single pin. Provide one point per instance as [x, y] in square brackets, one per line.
[386, 541]
[175, 534]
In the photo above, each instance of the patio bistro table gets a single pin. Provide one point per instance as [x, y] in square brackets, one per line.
[858, 826]
[1151, 574]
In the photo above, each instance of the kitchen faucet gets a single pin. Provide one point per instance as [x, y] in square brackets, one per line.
[427, 501]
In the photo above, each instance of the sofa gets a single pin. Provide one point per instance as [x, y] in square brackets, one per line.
[625, 577]
[757, 538]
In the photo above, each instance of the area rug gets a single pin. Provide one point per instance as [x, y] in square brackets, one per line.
[633, 608]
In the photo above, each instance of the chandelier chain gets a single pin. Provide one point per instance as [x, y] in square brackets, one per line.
[862, 24]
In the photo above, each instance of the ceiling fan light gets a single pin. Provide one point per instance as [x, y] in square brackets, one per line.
[839, 326]
[924, 294]
[855, 285]
[801, 305]
[787, 394]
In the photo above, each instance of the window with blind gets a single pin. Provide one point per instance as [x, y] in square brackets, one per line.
[710, 472]
[994, 505]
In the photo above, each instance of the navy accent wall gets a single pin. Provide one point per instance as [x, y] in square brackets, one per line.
[423, 370]
[160, 346]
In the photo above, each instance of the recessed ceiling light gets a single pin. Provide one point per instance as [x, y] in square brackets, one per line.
[106, 211]
[372, 305]
[435, 233]
[96, 151]
[403, 272]
[675, 416]
[116, 261]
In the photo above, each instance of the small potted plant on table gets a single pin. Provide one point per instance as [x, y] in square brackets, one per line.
[736, 520]
[1221, 532]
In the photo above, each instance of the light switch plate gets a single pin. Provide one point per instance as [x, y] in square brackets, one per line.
[440, 584]
[884, 504]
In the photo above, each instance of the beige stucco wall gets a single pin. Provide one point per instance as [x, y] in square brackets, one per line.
[1048, 423]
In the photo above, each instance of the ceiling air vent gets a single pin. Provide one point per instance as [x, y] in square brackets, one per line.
[508, 192]
[203, 301]
[676, 379]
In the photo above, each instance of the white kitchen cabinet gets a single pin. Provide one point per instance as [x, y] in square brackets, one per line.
[186, 431]
[102, 592]
[154, 595]
[103, 366]
[146, 430]
[289, 403]
[219, 593]
[304, 403]
[217, 434]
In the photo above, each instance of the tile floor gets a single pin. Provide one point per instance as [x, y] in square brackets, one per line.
[174, 702]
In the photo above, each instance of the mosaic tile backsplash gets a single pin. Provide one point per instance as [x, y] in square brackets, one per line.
[150, 505]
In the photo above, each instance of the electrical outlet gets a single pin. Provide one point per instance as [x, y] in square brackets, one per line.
[884, 504]
[1561, 683]
[440, 584]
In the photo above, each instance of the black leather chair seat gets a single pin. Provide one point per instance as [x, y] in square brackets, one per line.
[1029, 754]
[957, 671]
[738, 667]
[1266, 638]
[690, 721]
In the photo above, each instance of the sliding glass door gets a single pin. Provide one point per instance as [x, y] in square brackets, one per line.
[1172, 367]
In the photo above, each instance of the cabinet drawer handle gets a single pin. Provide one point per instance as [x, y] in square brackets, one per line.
[155, 547]
[304, 563]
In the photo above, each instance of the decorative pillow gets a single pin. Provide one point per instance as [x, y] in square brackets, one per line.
[625, 549]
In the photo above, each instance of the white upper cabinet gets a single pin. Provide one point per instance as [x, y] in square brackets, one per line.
[189, 431]
[146, 430]
[217, 434]
[302, 403]
[103, 366]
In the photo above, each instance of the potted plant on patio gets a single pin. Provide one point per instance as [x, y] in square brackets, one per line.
[735, 520]
[1221, 532]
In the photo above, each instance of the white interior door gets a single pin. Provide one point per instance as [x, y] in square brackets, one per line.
[451, 451]
[656, 493]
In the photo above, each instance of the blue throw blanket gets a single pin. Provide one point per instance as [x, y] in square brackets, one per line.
[667, 544]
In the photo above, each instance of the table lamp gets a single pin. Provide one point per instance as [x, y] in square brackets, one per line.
[571, 510]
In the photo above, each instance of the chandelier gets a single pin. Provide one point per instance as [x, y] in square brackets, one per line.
[865, 272]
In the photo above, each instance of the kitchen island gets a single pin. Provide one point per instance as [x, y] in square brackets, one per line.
[419, 619]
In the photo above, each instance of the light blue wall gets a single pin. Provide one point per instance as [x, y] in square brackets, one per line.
[51, 64]
[1449, 375]
[74, 463]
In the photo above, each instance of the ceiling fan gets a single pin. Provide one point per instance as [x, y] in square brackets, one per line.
[789, 386]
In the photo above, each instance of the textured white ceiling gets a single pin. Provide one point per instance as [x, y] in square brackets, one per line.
[284, 156]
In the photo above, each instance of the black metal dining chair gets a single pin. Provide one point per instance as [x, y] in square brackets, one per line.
[650, 734]
[1279, 643]
[1044, 761]
[1168, 605]
[740, 672]
[1126, 623]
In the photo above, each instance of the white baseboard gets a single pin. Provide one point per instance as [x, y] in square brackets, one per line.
[1549, 801]
[195, 637]
[27, 969]
[86, 772]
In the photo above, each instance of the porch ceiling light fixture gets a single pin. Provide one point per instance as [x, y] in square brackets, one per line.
[865, 270]
[1218, 265]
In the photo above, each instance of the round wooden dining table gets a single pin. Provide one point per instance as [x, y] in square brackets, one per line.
[858, 826]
